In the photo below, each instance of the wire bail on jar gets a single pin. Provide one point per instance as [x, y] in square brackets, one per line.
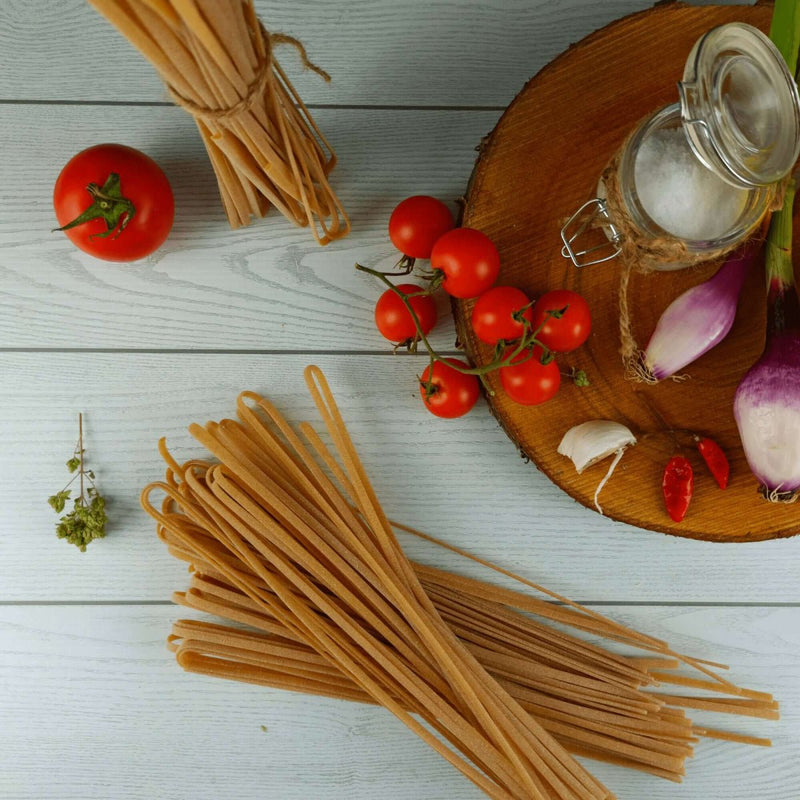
[591, 215]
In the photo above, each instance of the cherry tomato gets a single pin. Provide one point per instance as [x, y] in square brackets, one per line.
[570, 330]
[392, 317]
[417, 223]
[678, 487]
[114, 202]
[493, 315]
[530, 382]
[469, 260]
[454, 392]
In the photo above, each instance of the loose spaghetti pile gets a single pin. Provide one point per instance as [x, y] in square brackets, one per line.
[291, 542]
[219, 64]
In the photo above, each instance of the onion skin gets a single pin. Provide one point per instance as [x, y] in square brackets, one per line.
[699, 319]
[767, 412]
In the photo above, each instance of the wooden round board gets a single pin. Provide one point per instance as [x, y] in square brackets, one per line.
[540, 163]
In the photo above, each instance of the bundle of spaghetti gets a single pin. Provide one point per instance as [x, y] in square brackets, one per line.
[218, 63]
[293, 544]
[589, 718]
[635, 735]
[340, 581]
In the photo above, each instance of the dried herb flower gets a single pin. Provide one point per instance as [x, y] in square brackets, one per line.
[87, 520]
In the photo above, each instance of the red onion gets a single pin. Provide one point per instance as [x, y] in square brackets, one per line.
[699, 319]
[767, 401]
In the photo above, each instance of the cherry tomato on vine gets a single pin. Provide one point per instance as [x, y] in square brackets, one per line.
[469, 260]
[677, 485]
[454, 393]
[393, 320]
[417, 222]
[114, 202]
[493, 316]
[529, 382]
[561, 335]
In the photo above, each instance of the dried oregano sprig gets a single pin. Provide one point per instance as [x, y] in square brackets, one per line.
[87, 520]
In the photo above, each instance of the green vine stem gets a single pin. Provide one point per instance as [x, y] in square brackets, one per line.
[405, 266]
[527, 342]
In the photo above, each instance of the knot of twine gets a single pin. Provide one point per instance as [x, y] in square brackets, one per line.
[644, 253]
[256, 88]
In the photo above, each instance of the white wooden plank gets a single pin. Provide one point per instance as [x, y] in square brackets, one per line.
[460, 479]
[269, 286]
[409, 52]
[93, 690]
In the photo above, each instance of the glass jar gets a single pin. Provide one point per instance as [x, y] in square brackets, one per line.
[701, 173]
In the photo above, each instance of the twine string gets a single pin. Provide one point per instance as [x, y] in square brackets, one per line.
[632, 355]
[256, 89]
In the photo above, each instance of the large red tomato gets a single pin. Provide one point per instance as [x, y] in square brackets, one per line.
[114, 202]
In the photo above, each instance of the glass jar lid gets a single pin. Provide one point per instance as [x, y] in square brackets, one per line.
[740, 106]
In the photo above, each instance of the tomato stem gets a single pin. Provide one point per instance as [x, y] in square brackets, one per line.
[109, 205]
[527, 341]
[404, 266]
[578, 377]
[428, 385]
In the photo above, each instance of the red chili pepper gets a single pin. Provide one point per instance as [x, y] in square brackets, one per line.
[715, 459]
[677, 485]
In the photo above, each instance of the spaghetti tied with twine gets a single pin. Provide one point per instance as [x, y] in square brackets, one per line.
[257, 88]
[218, 63]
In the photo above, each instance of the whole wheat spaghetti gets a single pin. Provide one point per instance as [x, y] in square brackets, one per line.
[219, 64]
[287, 538]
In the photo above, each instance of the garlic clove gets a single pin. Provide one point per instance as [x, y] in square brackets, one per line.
[592, 441]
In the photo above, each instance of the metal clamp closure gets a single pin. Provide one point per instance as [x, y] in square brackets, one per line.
[583, 220]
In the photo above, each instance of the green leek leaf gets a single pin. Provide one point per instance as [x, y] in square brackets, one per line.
[785, 30]
[785, 33]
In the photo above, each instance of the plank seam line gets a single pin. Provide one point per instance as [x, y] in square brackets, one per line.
[600, 603]
[311, 106]
[219, 351]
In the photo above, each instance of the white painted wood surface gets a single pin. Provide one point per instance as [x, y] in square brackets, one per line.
[100, 710]
[460, 479]
[91, 704]
[378, 52]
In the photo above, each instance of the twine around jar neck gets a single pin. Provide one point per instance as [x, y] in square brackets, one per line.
[257, 87]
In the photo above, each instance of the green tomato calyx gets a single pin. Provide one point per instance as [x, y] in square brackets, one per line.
[107, 204]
